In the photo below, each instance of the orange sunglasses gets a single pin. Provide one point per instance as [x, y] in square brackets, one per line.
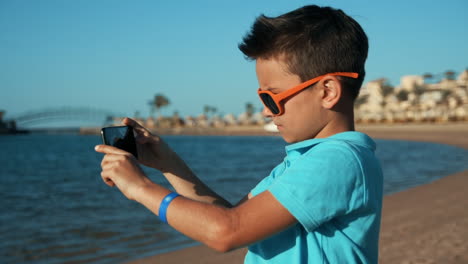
[273, 101]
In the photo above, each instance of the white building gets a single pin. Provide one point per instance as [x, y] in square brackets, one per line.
[411, 82]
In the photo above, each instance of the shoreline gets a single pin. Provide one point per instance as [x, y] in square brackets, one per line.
[424, 224]
[454, 134]
[451, 133]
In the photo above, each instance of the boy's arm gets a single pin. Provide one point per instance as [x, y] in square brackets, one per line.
[186, 183]
[218, 227]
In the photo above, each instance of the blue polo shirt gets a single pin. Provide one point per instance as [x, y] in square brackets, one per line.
[333, 187]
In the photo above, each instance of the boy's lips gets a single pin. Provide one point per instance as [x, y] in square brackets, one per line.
[277, 123]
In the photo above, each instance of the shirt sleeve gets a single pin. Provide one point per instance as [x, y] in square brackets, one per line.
[266, 182]
[325, 182]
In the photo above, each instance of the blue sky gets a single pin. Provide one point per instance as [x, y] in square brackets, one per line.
[116, 55]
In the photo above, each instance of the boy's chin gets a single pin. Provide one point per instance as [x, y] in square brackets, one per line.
[294, 138]
[289, 139]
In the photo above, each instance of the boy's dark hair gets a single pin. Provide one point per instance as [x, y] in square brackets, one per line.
[313, 41]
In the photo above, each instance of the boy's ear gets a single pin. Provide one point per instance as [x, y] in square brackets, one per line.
[332, 91]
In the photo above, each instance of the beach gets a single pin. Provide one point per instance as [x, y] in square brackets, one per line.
[425, 224]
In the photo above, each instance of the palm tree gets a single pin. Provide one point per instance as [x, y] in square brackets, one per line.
[214, 110]
[207, 109]
[387, 88]
[427, 77]
[362, 99]
[158, 102]
[402, 95]
[249, 109]
[450, 75]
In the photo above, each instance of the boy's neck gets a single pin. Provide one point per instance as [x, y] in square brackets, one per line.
[339, 123]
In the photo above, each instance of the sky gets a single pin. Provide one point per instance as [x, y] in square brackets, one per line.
[116, 55]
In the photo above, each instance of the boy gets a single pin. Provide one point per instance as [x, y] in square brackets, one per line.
[324, 201]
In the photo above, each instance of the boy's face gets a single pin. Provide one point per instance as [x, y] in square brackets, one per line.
[304, 117]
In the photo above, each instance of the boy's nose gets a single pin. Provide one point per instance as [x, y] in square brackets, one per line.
[266, 112]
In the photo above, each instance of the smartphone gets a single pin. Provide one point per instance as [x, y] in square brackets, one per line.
[120, 137]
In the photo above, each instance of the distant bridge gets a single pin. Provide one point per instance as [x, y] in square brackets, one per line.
[68, 115]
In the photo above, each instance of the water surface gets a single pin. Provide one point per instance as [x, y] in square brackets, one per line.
[56, 209]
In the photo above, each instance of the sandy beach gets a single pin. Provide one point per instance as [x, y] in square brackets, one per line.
[425, 224]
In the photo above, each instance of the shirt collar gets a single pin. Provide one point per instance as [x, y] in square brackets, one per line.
[351, 137]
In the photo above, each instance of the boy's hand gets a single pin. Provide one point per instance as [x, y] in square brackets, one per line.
[121, 169]
[152, 150]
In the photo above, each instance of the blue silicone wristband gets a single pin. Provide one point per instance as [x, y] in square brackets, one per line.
[164, 204]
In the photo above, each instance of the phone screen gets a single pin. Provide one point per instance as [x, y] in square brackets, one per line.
[120, 137]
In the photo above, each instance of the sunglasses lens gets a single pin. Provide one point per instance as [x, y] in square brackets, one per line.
[270, 103]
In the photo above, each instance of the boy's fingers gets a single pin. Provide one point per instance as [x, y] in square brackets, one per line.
[142, 134]
[109, 182]
[130, 122]
[108, 159]
[140, 130]
[106, 149]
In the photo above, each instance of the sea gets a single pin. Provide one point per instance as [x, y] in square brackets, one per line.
[56, 209]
